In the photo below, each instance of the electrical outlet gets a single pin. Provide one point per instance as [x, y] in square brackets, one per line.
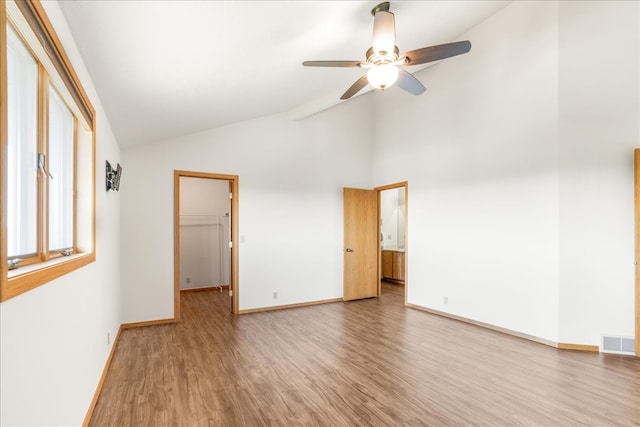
[275, 295]
[188, 280]
[446, 300]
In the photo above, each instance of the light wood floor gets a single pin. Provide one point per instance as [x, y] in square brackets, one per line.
[370, 362]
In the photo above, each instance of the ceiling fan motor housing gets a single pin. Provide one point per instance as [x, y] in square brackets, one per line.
[374, 58]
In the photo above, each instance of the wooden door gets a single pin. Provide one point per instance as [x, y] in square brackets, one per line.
[360, 244]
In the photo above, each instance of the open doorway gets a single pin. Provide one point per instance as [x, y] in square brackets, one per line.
[392, 232]
[205, 226]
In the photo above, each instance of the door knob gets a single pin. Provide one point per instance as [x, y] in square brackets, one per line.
[349, 250]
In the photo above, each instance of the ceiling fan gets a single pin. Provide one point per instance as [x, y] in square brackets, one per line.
[383, 59]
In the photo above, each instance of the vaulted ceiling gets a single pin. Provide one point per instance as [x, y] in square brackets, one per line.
[167, 68]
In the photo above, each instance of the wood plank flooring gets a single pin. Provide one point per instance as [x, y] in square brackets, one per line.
[369, 362]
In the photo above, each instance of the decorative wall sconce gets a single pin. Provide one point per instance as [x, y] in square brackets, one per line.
[113, 177]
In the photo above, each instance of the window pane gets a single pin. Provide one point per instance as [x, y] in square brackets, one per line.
[61, 168]
[22, 191]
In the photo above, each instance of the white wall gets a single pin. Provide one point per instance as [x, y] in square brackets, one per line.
[514, 161]
[204, 232]
[53, 339]
[520, 168]
[599, 128]
[479, 150]
[291, 176]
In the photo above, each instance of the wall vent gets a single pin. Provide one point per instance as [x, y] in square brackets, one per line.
[617, 345]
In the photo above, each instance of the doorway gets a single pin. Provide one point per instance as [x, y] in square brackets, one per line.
[205, 229]
[392, 237]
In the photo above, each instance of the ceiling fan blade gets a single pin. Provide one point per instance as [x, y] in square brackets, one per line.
[356, 87]
[409, 83]
[435, 53]
[332, 63]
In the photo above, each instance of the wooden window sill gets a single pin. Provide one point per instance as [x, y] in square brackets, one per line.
[25, 278]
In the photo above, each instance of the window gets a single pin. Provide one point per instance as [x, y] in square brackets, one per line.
[48, 150]
[22, 126]
[61, 174]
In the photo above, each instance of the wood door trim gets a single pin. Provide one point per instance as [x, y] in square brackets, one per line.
[392, 186]
[401, 184]
[636, 180]
[234, 184]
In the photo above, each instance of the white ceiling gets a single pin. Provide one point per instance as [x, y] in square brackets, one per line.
[168, 68]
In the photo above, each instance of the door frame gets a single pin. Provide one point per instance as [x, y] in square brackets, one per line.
[378, 190]
[233, 235]
[636, 180]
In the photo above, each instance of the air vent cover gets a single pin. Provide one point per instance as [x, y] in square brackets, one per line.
[617, 345]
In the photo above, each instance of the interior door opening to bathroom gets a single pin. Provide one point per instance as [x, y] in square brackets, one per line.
[205, 225]
[392, 232]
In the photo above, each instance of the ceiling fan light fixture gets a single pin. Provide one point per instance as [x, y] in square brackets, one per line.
[382, 76]
[383, 60]
[384, 33]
